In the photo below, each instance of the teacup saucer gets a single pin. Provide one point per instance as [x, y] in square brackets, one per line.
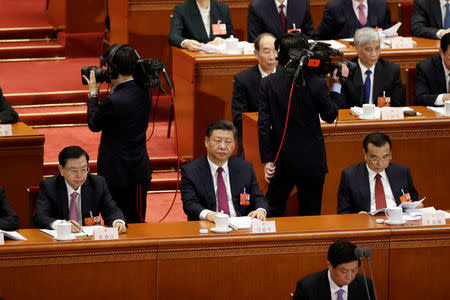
[390, 222]
[65, 238]
[368, 117]
[216, 230]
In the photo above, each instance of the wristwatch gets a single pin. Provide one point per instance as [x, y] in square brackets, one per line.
[92, 95]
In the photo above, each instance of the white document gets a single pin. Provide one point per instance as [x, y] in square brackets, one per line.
[5, 130]
[14, 235]
[241, 222]
[391, 30]
[439, 110]
[420, 211]
[358, 111]
[87, 231]
[259, 226]
[413, 204]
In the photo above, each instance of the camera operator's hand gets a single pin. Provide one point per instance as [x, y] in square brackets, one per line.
[344, 73]
[269, 171]
[217, 41]
[94, 86]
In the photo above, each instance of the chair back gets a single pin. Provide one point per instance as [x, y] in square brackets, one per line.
[405, 10]
[410, 74]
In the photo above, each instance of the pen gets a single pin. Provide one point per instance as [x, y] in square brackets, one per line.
[232, 226]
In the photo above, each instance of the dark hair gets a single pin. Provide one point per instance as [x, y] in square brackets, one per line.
[220, 125]
[260, 37]
[123, 60]
[445, 42]
[378, 139]
[71, 152]
[288, 41]
[341, 252]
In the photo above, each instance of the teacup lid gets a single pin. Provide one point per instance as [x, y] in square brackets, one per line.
[221, 215]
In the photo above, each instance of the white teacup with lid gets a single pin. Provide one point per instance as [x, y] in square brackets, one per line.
[231, 44]
[222, 221]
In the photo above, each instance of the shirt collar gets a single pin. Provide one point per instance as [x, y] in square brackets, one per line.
[264, 74]
[214, 167]
[356, 4]
[278, 3]
[372, 173]
[334, 287]
[443, 2]
[364, 69]
[114, 88]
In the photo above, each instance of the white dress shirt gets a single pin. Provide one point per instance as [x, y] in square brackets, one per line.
[364, 76]
[390, 201]
[226, 180]
[439, 101]
[278, 3]
[356, 9]
[443, 11]
[334, 288]
[204, 12]
[264, 74]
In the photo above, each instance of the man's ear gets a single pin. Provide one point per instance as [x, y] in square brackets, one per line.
[60, 170]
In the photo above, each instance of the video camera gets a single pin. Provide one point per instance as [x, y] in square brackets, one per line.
[315, 58]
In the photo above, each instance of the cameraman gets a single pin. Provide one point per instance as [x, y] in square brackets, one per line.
[302, 160]
[122, 117]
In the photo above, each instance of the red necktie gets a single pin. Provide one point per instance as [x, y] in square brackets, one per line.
[380, 198]
[282, 17]
[222, 198]
[362, 16]
[73, 206]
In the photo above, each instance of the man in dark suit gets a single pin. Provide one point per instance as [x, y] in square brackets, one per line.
[302, 159]
[341, 18]
[433, 77]
[340, 281]
[73, 195]
[8, 217]
[217, 182]
[195, 22]
[7, 114]
[276, 18]
[376, 183]
[123, 117]
[428, 19]
[383, 79]
[247, 82]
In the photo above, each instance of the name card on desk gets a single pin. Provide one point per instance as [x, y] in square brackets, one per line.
[391, 113]
[2, 239]
[437, 218]
[262, 227]
[106, 233]
[401, 42]
[5, 130]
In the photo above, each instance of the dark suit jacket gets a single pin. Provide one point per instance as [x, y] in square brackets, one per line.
[386, 78]
[317, 287]
[197, 187]
[187, 22]
[303, 151]
[8, 217]
[123, 119]
[430, 81]
[354, 189]
[7, 114]
[426, 18]
[339, 20]
[52, 202]
[263, 16]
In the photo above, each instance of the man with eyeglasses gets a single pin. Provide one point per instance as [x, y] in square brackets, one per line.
[246, 83]
[74, 194]
[376, 183]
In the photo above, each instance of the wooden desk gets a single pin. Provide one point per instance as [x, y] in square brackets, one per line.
[420, 142]
[21, 161]
[204, 87]
[174, 261]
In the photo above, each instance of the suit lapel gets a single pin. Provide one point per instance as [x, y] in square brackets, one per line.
[358, 84]
[393, 182]
[441, 79]
[349, 12]
[324, 290]
[207, 180]
[234, 184]
[436, 12]
[372, 19]
[364, 187]
[197, 19]
[377, 82]
[63, 196]
[85, 199]
[272, 11]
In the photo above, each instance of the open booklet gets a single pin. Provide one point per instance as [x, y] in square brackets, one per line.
[14, 235]
[87, 231]
[404, 205]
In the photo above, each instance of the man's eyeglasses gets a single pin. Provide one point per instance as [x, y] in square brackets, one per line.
[82, 171]
[375, 159]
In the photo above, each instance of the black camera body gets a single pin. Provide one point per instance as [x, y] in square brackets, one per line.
[101, 75]
[316, 59]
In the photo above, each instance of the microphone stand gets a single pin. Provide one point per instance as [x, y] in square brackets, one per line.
[367, 253]
[359, 255]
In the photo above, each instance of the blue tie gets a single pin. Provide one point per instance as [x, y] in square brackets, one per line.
[447, 16]
[367, 86]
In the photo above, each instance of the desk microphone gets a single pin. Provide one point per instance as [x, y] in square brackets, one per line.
[367, 252]
[359, 255]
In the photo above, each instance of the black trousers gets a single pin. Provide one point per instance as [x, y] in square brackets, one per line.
[132, 201]
[309, 193]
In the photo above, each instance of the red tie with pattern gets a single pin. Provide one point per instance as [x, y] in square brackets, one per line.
[282, 17]
[362, 16]
[380, 198]
[222, 198]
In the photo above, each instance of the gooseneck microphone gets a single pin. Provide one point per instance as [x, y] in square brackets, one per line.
[359, 255]
[367, 253]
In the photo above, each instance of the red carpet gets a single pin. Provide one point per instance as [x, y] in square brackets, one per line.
[23, 13]
[158, 205]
